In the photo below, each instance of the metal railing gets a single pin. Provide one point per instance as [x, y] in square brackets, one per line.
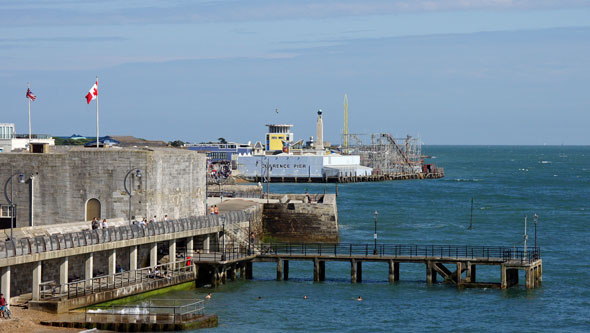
[496, 253]
[230, 254]
[177, 310]
[60, 241]
[117, 280]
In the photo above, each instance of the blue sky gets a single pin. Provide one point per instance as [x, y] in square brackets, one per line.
[449, 71]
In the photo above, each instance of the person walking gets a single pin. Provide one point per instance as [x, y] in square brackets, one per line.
[94, 223]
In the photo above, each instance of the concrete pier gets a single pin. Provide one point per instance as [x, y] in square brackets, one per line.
[36, 280]
[89, 266]
[112, 263]
[5, 281]
[133, 258]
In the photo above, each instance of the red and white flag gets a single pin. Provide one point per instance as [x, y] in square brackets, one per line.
[30, 95]
[92, 93]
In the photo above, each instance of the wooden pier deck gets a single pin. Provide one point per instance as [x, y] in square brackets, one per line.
[453, 264]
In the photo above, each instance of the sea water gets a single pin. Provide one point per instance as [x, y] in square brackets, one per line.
[506, 184]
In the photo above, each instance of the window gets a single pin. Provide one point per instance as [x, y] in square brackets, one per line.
[5, 211]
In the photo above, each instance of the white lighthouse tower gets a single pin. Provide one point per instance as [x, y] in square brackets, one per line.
[319, 141]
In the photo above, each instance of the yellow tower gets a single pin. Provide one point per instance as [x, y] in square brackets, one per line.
[345, 130]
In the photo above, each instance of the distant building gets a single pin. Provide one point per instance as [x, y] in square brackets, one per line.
[10, 141]
[288, 160]
[278, 137]
[225, 153]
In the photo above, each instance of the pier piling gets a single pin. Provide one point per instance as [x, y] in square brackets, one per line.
[279, 269]
[359, 271]
[352, 271]
[286, 270]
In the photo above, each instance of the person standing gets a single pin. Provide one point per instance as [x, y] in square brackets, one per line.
[104, 224]
[2, 303]
[212, 210]
[154, 219]
[94, 223]
[166, 218]
[216, 210]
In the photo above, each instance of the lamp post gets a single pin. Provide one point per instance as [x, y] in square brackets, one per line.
[219, 185]
[536, 219]
[375, 214]
[21, 180]
[249, 236]
[223, 240]
[525, 235]
[130, 189]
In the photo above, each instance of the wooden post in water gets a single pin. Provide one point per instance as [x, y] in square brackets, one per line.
[359, 271]
[279, 269]
[429, 272]
[286, 270]
[249, 270]
[352, 271]
[316, 270]
[391, 272]
[322, 270]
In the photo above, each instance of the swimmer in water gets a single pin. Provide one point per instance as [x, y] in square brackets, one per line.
[359, 299]
[208, 296]
[259, 298]
[305, 297]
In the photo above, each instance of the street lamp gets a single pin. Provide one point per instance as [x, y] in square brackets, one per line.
[249, 236]
[222, 217]
[130, 189]
[21, 180]
[536, 219]
[220, 193]
[375, 214]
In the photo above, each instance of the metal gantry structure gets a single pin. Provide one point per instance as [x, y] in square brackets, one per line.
[386, 154]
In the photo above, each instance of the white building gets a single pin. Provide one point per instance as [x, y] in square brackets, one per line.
[10, 141]
[302, 166]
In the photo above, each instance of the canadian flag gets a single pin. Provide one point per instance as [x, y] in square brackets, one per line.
[92, 93]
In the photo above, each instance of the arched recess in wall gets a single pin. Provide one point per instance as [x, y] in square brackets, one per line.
[92, 209]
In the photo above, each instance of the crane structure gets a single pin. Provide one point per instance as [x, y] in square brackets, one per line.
[386, 154]
[345, 129]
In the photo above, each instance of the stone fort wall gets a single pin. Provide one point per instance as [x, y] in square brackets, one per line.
[59, 184]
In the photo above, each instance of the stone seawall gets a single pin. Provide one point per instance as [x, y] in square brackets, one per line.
[301, 222]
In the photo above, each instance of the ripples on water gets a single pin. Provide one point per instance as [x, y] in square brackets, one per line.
[506, 183]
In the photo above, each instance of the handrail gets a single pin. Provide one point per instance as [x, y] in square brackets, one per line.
[117, 280]
[59, 241]
[497, 253]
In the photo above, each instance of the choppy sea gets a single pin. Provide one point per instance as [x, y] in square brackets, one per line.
[506, 183]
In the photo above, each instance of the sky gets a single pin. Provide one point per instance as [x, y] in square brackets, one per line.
[506, 72]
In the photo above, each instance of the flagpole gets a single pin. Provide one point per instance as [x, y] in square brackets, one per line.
[29, 87]
[97, 132]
